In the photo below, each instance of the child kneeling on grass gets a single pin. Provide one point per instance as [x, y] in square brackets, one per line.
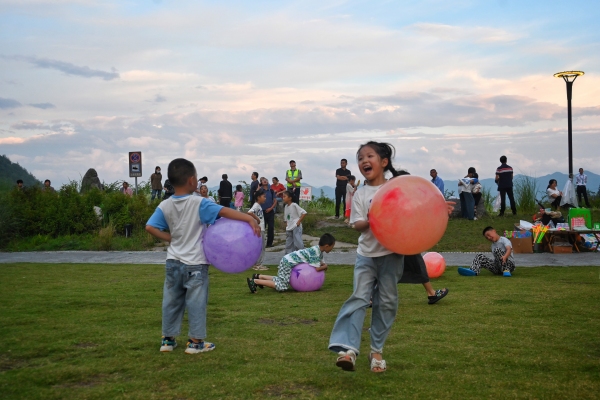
[281, 282]
[186, 280]
[503, 262]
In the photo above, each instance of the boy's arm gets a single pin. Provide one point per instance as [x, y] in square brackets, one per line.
[508, 252]
[233, 214]
[157, 233]
[323, 267]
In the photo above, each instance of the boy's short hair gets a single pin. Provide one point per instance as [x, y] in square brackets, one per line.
[179, 171]
[276, 178]
[289, 194]
[351, 178]
[344, 160]
[503, 159]
[224, 176]
[259, 192]
[255, 174]
[19, 180]
[487, 228]
[326, 240]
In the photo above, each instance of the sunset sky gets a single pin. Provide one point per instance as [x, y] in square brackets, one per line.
[242, 86]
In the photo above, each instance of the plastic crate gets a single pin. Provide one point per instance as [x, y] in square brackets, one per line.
[581, 212]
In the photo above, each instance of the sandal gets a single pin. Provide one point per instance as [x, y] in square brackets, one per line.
[377, 366]
[346, 360]
[257, 276]
[251, 285]
[439, 294]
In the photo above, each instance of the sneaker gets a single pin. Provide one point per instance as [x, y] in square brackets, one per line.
[506, 273]
[251, 285]
[466, 272]
[257, 276]
[474, 218]
[439, 294]
[168, 344]
[200, 347]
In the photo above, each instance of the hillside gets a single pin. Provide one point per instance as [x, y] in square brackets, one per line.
[10, 172]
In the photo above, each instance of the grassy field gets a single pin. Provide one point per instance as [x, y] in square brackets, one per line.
[93, 332]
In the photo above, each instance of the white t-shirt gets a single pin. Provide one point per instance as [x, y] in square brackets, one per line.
[349, 189]
[501, 244]
[551, 191]
[368, 246]
[257, 210]
[291, 214]
[464, 185]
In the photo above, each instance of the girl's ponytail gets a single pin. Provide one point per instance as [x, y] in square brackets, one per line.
[383, 150]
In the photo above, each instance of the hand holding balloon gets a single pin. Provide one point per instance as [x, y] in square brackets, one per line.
[450, 205]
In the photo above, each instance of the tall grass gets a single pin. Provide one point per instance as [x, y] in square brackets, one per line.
[525, 190]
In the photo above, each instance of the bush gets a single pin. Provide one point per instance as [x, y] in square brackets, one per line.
[35, 212]
[525, 192]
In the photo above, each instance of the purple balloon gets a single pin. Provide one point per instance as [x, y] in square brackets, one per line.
[231, 246]
[306, 278]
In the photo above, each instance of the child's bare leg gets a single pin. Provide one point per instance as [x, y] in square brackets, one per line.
[429, 289]
[264, 277]
[265, 282]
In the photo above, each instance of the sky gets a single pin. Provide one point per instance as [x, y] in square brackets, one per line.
[243, 86]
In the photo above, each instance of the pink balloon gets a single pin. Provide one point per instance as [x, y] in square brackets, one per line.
[435, 264]
[408, 215]
[306, 278]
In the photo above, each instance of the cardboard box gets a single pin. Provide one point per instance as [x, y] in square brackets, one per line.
[521, 246]
[562, 249]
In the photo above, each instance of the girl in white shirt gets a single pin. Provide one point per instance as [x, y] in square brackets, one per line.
[257, 213]
[554, 195]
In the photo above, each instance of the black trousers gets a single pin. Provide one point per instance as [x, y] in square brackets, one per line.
[511, 197]
[270, 226]
[225, 201]
[296, 192]
[582, 190]
[340, 196]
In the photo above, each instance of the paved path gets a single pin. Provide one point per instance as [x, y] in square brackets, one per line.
[272, 258]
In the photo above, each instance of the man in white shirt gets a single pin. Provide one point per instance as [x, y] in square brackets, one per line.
[581, 183]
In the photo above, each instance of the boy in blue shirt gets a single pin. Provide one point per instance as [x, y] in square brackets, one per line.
[186, 281]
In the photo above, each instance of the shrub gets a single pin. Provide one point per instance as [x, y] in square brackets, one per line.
[525, 191]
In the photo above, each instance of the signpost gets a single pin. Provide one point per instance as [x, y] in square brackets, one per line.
[306, 193]
[135, 166]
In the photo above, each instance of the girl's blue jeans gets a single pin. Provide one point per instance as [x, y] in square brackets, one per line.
[186, 286]
[386, 271]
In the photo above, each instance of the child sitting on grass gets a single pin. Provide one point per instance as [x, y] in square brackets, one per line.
[186, 280]
[281, 282]
[293, 215]
[503, 262]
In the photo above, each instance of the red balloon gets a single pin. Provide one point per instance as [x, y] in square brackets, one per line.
[408, 215]
[435, 263]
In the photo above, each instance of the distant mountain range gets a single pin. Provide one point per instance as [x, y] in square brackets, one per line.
[10, 172]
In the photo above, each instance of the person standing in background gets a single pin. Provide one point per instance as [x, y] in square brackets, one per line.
[293, 176]
[504, 179]
[341, 175]
[156, 183]
[581, 182]
[268, 208]
[225, 192]
[436, 180]
[253, 187]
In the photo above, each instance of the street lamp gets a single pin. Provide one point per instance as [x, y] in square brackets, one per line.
[569, 77]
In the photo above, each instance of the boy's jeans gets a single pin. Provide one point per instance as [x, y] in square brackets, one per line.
[185, 286]
[347, 330]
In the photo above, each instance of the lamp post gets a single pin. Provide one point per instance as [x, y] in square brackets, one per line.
[569, 77]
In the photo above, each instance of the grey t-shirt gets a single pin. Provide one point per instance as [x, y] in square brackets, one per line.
[501, 244]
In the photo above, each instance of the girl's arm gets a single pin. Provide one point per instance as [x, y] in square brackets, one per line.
[361, 226]
[300, 220]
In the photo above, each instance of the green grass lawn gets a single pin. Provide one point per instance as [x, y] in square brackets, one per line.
[93, 332]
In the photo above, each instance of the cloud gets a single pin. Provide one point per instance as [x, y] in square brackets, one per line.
[159, 99]
[477, 34]
[6, 104]
[67, 68]
[43, 106]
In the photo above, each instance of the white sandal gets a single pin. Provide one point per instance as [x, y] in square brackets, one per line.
[375, 363]
[346, 360]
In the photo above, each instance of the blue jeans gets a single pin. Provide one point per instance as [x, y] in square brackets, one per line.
[156, 193]
[185, 286]
[387, 271]
[467, 205]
